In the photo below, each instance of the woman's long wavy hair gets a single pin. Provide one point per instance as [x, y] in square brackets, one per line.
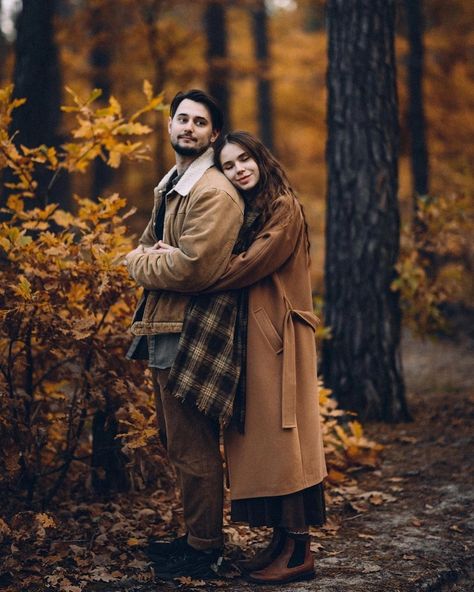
[273, 181]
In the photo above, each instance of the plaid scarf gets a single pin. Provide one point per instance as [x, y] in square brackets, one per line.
[209, 368]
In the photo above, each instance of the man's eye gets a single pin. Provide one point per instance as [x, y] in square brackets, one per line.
[201, 123]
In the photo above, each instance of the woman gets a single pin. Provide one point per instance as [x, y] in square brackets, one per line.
[276, 466]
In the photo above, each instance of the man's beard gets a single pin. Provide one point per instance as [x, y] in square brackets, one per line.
[188, 150]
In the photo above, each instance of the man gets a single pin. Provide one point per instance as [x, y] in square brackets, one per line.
[199, 212]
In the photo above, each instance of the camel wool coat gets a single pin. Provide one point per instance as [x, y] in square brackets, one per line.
[281, 451]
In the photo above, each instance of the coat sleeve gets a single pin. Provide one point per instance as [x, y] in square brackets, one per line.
[274, 244]
[148, 238]
[208, 234]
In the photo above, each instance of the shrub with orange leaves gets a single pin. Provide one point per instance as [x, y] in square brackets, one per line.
[436, 261]
[345, 444]
[66, 303]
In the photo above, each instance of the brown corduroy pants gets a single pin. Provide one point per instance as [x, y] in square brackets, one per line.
[192, 442]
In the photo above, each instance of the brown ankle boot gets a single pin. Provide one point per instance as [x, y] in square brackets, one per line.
[294, 563]
[267, 554]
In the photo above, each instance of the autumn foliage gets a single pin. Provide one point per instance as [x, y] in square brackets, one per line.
[66, 304]
[435, 263]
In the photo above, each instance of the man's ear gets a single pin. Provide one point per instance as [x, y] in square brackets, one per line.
[170, 119]
[215, 135]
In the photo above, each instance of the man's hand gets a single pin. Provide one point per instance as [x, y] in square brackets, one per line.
[138, 251]
[162, 248]
[159, 248]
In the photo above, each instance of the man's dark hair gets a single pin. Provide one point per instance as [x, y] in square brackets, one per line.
[199, 96]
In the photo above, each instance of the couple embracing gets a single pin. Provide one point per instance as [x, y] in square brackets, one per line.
[227, 327]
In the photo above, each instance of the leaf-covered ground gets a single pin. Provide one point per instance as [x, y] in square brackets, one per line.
[407, 526]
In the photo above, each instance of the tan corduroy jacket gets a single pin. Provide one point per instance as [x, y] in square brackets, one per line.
[203, 216]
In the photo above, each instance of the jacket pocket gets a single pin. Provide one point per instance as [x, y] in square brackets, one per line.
[268, 330]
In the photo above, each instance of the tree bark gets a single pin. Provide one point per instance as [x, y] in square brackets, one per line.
[101, 59]
[37, 77]
[416, 112]
[264, 86]
[151, 13]
[3, 49]
[218, 74]
[361, 363]
[108, 463]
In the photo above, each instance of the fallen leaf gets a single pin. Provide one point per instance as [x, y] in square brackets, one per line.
[376, 499]
[407, 439]
[188, 581]
[336, 476]
[371, 568]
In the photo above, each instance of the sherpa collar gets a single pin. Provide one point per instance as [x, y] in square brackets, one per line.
[191, 175]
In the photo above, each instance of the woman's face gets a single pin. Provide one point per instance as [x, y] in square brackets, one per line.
[239, 167]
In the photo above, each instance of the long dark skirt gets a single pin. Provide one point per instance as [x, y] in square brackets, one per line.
[294, 510]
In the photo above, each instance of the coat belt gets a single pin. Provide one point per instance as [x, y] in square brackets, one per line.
[288, 398]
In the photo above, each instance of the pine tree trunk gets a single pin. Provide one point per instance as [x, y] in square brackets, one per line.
[101, 59]
[218, 78]
[264, 86]
[151, 13]
[37, 77]
[416, 113]
[3, 49]
[361, 363]
[108, 463]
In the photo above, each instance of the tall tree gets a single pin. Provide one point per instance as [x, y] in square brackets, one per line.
[150, 12]
[264, 86]
[3, 47]
[101, 57]
[361, 363]
[218, 74]
[37, 77]
[416, 113]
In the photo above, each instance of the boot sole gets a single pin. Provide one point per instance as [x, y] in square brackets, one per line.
[292, 578]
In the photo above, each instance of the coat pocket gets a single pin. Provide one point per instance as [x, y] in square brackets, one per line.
[268, 330]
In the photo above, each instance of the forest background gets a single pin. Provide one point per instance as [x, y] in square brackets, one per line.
[266, 62]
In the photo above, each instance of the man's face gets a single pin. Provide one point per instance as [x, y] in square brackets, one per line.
[190, 129]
